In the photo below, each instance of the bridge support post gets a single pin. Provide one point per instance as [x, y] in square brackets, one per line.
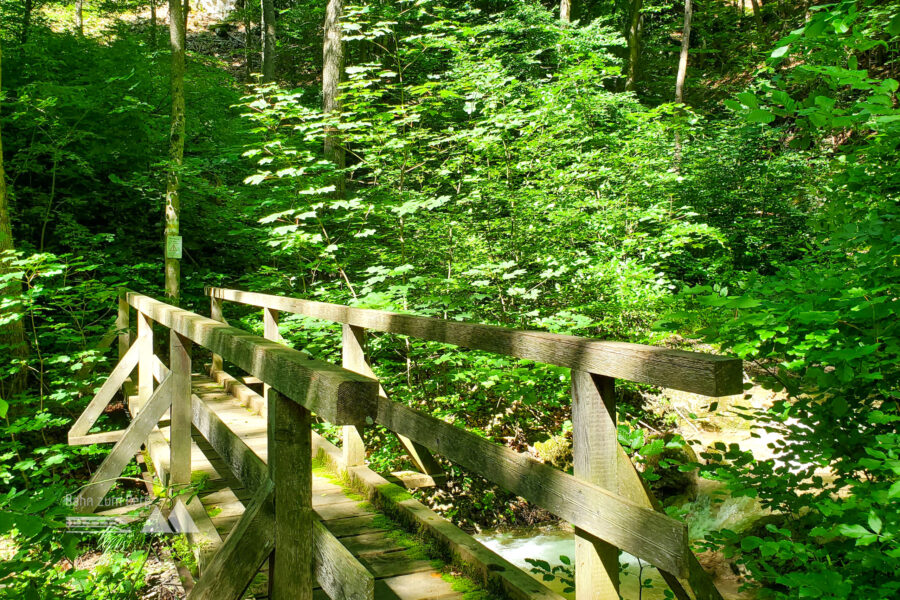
[181, 412]
[215, 313]
[290, 468]
[145, 364]
[122, 323]
[595, 452]
[270, 332]
[353, 358]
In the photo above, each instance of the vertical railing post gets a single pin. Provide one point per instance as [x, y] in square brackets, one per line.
[122, 324]
[353, 358]
[595, 454]
[270, 332]
[145, 363]
[290, 469]
[215, 313]
[180, 422]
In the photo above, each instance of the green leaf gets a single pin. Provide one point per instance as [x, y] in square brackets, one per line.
[779, 52]
[760, 116]
[875, 523]
[894, 26]
[854, 531]
[4, 407]
[748, 99]
[751, 542]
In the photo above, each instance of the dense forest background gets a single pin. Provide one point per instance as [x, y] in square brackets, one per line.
[485, 161]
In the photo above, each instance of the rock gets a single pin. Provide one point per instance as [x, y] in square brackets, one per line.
[672, 482]
[557, 451]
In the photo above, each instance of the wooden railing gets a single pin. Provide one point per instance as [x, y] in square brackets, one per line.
[606, 499]
[280, 516]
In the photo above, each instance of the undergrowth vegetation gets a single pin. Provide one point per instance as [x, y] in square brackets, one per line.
[497, 171]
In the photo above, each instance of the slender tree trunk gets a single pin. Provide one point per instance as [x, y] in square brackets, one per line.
[176, 144]
[267, 26]
[757, 15]
[26, 19]
[247, 39]
[153, 25]
[333, 67]
[633, 37]
[79, 16]
[683, 58]
[12, 335]
[682, 73]
[565, 11]
[186, 10]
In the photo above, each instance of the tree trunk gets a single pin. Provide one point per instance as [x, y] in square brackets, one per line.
[12, 335]
[682, 75]
[26, 19]
[79, 16]
[683, 58]
[757, 15]
[565, 11]
[176, 144]
[267, 26]
[186, 10]
[153, 24]
[247, 39]
[333, 67]
[633, 36]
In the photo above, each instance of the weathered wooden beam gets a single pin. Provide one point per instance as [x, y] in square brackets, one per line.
[106, 392]
[353, 357]
[594, 449]
[105, 437]
[336, 569]
[159, 370]
[705, 374]
[290, 469]
[122, 322]
[137, 431]
[145, 365]
[632, 486]
[245, 550]
[215, 313]
[180, 415]
[642, 532]
[333, 393]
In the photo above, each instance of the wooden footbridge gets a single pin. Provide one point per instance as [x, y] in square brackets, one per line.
[271, 521]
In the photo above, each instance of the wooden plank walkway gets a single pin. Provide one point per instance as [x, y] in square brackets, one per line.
[401, 569]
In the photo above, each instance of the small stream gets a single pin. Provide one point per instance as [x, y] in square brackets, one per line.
[549, 543]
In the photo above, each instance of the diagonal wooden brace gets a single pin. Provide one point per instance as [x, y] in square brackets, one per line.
[134, 436]
[78, 434]
[245, 550]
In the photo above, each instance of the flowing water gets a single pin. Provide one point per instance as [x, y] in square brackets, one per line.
[549, 543]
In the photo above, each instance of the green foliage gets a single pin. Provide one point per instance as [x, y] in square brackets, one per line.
[824, 329]
[495, 173]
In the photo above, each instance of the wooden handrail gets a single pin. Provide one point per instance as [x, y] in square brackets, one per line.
[337, 395]
[695, 372]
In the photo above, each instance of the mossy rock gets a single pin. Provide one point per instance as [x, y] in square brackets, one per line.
[671, 481]
[557, 451]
